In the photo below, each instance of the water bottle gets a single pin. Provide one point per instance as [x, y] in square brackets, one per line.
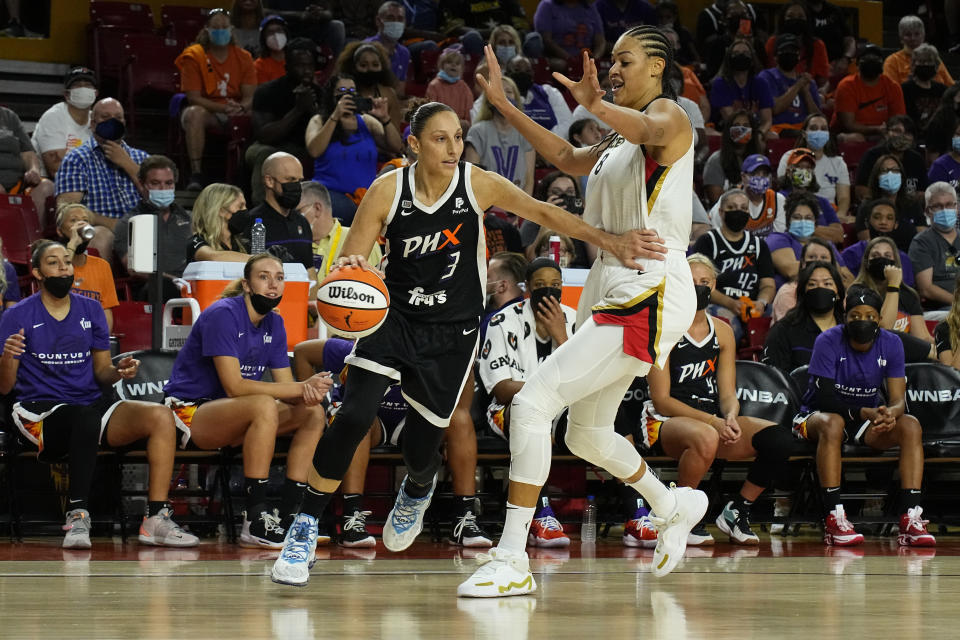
[258, 237]
[555, 248]
[588, 532]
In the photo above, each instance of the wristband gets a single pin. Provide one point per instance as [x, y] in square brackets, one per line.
[389, 120]
[891, 289]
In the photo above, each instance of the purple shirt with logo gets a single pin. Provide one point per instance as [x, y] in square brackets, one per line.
[224, 329]
[393, 407]
[58, 363]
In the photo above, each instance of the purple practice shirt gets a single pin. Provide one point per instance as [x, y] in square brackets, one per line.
[755, 95]
[58, 363]
[945, 169]
[572, 28]
[224, 329]
[858, 376]
[399, 61]
[393, 408]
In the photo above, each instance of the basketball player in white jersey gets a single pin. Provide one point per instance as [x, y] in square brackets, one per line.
[640, 177]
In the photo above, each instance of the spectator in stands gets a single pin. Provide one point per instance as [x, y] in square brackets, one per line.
[685, 82]
[102, 173]
[881, 218]
[562, 190]
[899, 140]
[518, 338]
[487, 16]
[845, 401]
[216, 392]
[158, 175]
[738, 22]
[219, 79]
[542, 102]
[897, 66]
[497, 146]
[795, 94]
[359, 17]
[66, 125]
[212, 237]
[934, 251]
[619, 15]
[9, 283]
[801, 177]
[741, 138]
[829, 24]
[815, 250]
[506, 273]
[369, 67]
[676, 80]
[391, 23]
[343, 141]
[745, 282]
[20, 169]
[542, 246]
[738, 87]
[765, 207]
[312, 19]
[247, 16]
[685, 49]
[282, 108]
[584, 132]
[567, 28]
[449, 87]
[328, 233]
[947, 335]
[921, 91]
[58, 369]
[938, 130]
[802, 212]
[271, 60]
[831, 171]
[723, 17]
[946, 168]
[812, 54]
[820, 307]
[886, 181]
[866, 100]
[92, 277]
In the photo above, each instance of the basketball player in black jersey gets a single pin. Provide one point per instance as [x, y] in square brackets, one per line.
[435, 270]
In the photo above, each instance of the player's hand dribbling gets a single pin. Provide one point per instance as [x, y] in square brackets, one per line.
[355, 261]
[127, 367]
[638, 244]
[14, 345]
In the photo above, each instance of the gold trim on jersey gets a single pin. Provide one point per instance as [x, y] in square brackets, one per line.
[629, 307]
[652, 198]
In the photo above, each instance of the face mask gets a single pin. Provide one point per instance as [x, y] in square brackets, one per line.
[758, 184]
[890, 182]
[523, 80]
[819, 300]
[796, 26]
[58, 286]
[163, 198]
[111, 129]
[870, 69]
[505, 53]
[262, 304]
[788, 61]
[394, 29]
[367, 78]
[741, 62]
[945, 219]
[741, 135]
[818, 139]
[899, 142]
[925, 72]
[289, 196]
[703, 295]
[277, 41]
[863, 331]
[802, 228]
[446, 77]
[82, 97]
[219, 37]
[802, 177]
[537, 296]
[876, 266]
[736, 219]
[955, 143]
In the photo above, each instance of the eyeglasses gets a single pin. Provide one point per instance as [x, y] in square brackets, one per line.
[346, 89]
[940, 207]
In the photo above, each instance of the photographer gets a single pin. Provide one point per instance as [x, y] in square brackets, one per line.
[562, 190]
[344, 140]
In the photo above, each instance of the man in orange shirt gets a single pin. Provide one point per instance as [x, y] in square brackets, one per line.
[897, 65]
[866, 99]
[92, 277]
[219, 79]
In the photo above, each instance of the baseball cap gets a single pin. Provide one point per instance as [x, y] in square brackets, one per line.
[77, 74]
[787, 41]
[271, 19]
[753, 162]
[801, 153]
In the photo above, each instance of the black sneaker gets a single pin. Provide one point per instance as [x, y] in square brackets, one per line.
[263, 532]
[467, 533]
[699, 536]
[354, 531]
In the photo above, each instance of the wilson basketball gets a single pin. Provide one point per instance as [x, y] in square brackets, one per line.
[353, 302]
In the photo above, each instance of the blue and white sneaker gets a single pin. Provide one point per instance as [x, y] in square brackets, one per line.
[299, 553]
[405, 521]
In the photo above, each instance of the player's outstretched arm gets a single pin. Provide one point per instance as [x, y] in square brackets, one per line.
[493, 189]
[369, 220]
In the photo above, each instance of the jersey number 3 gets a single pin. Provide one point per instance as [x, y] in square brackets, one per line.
[454, 259]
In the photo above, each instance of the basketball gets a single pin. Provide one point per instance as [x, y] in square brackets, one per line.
[353, 302]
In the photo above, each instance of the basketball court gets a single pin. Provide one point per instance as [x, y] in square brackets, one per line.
[791, 587]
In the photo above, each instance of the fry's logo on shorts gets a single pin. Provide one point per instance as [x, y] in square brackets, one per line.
[418, 297]
[425, 245]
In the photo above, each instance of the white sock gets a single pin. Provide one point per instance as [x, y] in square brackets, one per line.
[515, 529]
[659, 498]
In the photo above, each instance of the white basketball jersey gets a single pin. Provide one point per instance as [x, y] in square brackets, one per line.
[628, 190]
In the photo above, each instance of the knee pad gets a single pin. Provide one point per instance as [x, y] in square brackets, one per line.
[530, 454]
[605, 448]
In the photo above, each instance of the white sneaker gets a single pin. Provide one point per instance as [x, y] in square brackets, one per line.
[78, 530]
[673, 530]
[160, 530]
[405, 521]
[299, 553]
[500, 574]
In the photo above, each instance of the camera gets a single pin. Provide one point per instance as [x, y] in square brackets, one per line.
[364, 105]
[573, 204]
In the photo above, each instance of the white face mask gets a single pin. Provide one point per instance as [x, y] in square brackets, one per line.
[82, 97]
[277, 41]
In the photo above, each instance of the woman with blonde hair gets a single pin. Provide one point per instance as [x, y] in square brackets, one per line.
[947, 334]
[496, 145]
[9, 285]
[506, 45]
[212, 239]
[92, 276]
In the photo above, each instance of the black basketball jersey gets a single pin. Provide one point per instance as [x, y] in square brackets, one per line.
[739, 268]
[693, 370]
[436, 268]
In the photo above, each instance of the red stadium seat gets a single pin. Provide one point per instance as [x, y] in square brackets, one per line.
[853, 151]
[776, 148]
[757, 330]
[109, 22]
[133, 325]
[183, 23]
[541, 71]
[427, 66]
[19, 227]
[149, 73]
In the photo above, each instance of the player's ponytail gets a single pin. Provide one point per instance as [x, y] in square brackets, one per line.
[235, 288]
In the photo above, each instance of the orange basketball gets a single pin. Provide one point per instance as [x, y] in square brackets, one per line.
[353, 302]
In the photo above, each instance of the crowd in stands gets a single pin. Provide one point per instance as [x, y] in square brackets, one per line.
[825, 198]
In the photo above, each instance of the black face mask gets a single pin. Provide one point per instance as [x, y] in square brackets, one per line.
[523, 81]
[81, 248]
[796, 26]
[925, 72]
[262, 304]
[58, 286]
[111, 129]
[368, 78]
[788, 61]
[819, 299]
[736, 219]
[863, 331]
[741, 62]
[289, 196]
[537, 296]
[876, 266]
[871, 68]
[703, 295]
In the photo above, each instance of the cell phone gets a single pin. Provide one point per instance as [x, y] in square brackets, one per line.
[364, 105]
[573, 204]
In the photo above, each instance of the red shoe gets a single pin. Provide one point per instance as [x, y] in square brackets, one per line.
[913, 530]
[546, 531]
[838, 531]
[639, 531]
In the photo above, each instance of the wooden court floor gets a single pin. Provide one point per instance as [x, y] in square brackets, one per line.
[788, 588]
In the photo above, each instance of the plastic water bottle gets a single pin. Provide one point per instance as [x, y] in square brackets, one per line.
[258, 237]
[588, 532]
